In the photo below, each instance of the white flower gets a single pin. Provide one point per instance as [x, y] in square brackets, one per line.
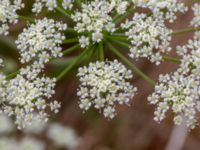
[149, 37]
[42, 41]
[36, 127]
[39, 4]
[21, 97]
[97, 37]
[29, 143]
[63, 136]
[84, 41]
[8, 14]
[180, 93]
[95, 18]
[120, 5]
[67, 4]
[51, 5]
[103, 84]
[192, 45]
[162, 9]
[54, 106]
[196, 19]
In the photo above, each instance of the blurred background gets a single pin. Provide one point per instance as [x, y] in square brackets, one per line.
[132, 129]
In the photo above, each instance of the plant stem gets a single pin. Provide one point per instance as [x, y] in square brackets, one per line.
[70, 30]
[78, 3]
[12, 75]
[120, 18]
[131, 65]
[24, 18]
[121, 43]
[171, 59]
[74, 62]
[186, 30]
[101, 51]
[74, 40]
[62, 11]
[166, 58]
[71, 49]
[120, 38]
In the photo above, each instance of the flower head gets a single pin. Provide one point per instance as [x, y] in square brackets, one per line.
[51, 5]
[95, 17]
[41, 41]
[63, 136]
[162, 9]
[103, 84]
[8, 14]
[180, 93]
[196, 19]
[149, 37]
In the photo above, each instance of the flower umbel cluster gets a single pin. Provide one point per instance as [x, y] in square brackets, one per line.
[63, 136]
[41, 41]
[21, 97]
[163, 9]
[196, 19]
[149, 37]
[51, 5]
[95, 18]
[103, 84]
[8, 14]
[180, 93]
[192, 45]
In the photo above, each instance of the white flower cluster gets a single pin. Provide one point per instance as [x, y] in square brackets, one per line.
[181, 91]
[51, 5]
[192, 45]
[120, 5]
[27, 93]
[27, 143]
[63, 136]
[196, 19]
[8, 14]
[41, 41]
[95, 18]
[149, 37]
[181, 94]
[21, 97]
[163, 9]
[103, 84]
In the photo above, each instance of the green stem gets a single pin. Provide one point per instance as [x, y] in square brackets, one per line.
[24, 18]
[79, 4]
[71, 30]
[62, 11]
[131, 65]
[71, 49]
[68, 41]
[121, 43]
[120, 18]
[120, 38]
[101, 51]
[166, 58]
[186, 30]
[171, 59]
[74, 62]
[12, 75]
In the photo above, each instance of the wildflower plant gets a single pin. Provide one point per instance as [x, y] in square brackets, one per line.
[95, 29]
